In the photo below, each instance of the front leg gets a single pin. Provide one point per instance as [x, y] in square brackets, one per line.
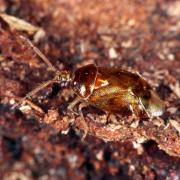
[73, 104]
[81, 106]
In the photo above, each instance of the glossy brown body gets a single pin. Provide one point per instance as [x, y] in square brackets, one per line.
[113, 90]
[117, 91]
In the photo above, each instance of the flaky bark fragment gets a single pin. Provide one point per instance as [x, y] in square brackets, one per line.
[167, 138]
[21, 25]
[142, 36]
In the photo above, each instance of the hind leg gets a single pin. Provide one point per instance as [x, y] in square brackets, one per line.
[140, 111]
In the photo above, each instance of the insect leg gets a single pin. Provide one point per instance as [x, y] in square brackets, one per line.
[85, 129]
[73, 104]
[82, 105]
[33, 92]
[34, 106]
[139, 109]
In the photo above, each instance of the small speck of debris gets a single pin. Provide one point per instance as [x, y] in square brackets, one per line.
[25, 108]
[12, 101]
[126, 44]
[99, 155]
[65, 131]
[139, 147]
[172, 110]
[112, 53]
[176, 125]
[72, 158]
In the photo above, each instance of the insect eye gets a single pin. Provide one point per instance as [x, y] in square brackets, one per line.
[146, 95]
[86, 72]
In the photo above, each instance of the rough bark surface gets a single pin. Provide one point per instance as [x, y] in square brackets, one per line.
[45, 142]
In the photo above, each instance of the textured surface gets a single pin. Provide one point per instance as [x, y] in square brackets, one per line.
[138, 35]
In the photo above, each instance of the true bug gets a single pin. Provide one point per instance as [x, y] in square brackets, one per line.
[110, 89]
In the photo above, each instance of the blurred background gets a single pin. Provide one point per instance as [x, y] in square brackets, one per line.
[134, 34]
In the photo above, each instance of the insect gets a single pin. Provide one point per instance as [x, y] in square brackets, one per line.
[110, 89]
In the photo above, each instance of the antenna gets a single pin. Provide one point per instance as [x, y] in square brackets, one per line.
[39, 53]
[59, 76]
